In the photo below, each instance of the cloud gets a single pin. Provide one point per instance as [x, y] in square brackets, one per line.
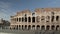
[5, 10]
[5, 5]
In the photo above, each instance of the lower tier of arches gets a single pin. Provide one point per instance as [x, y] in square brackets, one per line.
[35, 27]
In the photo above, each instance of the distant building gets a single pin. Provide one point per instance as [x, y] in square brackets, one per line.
[41, 19]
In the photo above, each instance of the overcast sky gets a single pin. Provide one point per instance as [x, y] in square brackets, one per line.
[10, 7]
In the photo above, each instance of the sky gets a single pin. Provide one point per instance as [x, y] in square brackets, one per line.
[10, 7]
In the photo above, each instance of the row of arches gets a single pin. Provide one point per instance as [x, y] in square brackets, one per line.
[38, 27]
[36, 19]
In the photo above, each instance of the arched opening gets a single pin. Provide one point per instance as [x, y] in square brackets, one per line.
[15, 27]
[33, 19]
[33, 14]
[57, 27]
[25, 19]
[52, 19]
[53, 27]
[38, 27]
[47, 27]
[57, 18]
[25, 26]
[22, 27]
[33, 27]
[42, 27]
[29, 19]
[19, 19]
[19, 27]
[22, 19]
[29, 27]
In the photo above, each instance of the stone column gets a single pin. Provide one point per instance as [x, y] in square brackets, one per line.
[55, 28]
[54, 18]
[35, 27]
[24, 27]
[21, 27]
[50, 27]
[40, 20]
[21, 19]
[59, 28]
[45, 27]
[40, 27]
[50, 19]
[27, 20]
[31, 20]
[31, 27]
[15, 19]
[35, 19]
[24, 20]
[27, 27]
[45, 20]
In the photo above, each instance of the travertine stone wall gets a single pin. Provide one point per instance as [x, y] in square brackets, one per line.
[41, 19]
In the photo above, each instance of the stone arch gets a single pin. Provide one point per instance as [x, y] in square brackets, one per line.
[57, 27]
[19, 27]
[38, 27]
[52, 19]
[17, 19]
[33, 14]
[33, 19]
[33, 27]
[25, 26]
[22, 27]
[47, 27]
[29, 19]
[25, 19]
[57, 18]
[22, 19]
[29, 27]
[53, 27]
[42, 27]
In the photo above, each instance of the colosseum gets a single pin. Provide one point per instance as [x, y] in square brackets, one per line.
[39, 19]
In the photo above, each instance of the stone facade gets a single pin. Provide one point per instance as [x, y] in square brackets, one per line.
[40, 19]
